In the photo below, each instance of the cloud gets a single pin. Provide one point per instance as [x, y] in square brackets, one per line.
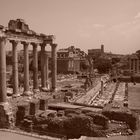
[137, 15]
[88, 29]
[126, 29]
[97, 25]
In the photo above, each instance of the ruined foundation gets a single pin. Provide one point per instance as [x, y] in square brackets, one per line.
[6, 116]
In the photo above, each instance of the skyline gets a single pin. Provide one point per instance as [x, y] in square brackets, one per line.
[83, 23]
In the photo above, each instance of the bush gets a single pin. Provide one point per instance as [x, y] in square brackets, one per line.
[78, 124]
[121, 114]
[68, 111]
[55, 124]
[40, 120]
[99, 119]
[74, 125]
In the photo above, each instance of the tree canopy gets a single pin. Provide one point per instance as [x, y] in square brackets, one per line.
[103, 65]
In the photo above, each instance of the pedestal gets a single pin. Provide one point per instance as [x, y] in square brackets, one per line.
[54, 90]
[27, 93]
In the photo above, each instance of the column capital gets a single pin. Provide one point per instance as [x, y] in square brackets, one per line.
[43, 44]
[24, 43]
[53, 45]
[14, 42]
[34, 44]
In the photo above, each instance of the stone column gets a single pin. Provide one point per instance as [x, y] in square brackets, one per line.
[130, 65]
[54, 66]
[47, 69]
[35, 67]
[6, 115]
[15, 68]
[138, 66]
[43, 69]
[133, 66]
[2, 70]
[26, 69]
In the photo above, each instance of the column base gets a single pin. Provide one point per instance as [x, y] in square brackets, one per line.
[45, 89]
[27, 93]
[16, 95]
[35, 90]
[6, 115]
[54, 90]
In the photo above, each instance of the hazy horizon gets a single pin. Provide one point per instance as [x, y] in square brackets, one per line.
[82, 23]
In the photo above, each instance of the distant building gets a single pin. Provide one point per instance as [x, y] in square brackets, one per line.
[69, 60]
[95, 53]
[134, 64]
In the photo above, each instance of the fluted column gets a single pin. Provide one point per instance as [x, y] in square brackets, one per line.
[26, 69]
[2, 70]
[54, 66]
[35, 67]
[43, 69]
[15, 67]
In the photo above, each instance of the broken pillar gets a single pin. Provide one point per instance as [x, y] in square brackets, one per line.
[34, 106]
[22, 111]
[43, 105]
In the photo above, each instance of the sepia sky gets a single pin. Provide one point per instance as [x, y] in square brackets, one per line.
[83, 23]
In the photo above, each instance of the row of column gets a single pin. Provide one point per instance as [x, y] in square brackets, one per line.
[134, 65]
[44, 67]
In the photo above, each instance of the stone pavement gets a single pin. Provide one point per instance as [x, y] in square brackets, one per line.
[90, 94]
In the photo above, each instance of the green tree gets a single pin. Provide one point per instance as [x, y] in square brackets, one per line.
[103, 65]
[138, 53]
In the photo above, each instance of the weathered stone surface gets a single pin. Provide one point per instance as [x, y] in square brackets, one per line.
[23, 110]
[6, 116]
[43, 104]
[34, 106]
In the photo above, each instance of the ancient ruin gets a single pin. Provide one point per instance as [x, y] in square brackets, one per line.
[18, 32]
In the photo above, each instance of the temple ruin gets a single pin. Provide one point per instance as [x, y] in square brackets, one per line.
[18, 32]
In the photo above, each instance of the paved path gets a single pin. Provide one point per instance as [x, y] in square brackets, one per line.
[7, 134]
[14, 136]
[92, 93]
[133, 137]
[134, 96]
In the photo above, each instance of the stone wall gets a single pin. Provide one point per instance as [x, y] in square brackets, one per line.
[6, 116]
